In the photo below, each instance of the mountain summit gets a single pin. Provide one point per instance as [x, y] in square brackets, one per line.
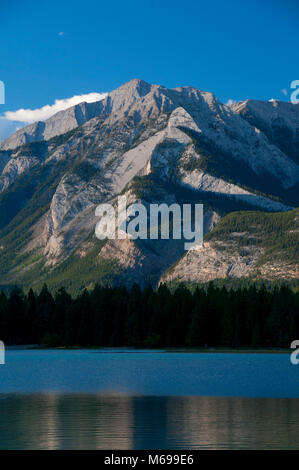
[155, 145]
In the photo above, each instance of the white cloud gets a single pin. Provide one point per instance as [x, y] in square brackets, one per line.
[41, 114]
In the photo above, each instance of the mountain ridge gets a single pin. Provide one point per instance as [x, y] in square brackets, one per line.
[151, 144]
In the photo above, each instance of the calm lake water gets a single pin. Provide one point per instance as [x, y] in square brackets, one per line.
[55, 399]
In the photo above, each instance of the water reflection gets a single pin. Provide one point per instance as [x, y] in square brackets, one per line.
[50, 421]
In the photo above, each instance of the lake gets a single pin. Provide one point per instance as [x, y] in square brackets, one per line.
[126, 399]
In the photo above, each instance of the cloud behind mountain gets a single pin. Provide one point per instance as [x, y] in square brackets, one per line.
[47, 111]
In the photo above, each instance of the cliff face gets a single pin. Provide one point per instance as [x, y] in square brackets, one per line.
[251, 244]
[154, 145]
[278, 120]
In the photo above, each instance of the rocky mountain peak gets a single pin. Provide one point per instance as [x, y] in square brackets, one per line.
[135, 87]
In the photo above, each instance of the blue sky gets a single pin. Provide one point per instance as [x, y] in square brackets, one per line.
[236, 49]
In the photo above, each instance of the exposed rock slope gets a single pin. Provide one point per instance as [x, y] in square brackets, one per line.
[278, 120]
[252, 244]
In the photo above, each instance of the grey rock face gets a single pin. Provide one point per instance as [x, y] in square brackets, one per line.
[14, 168]
[220, 260]
[278, 120]
[4, 158]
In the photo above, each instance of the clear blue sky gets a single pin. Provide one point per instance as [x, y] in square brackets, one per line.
[236, 49]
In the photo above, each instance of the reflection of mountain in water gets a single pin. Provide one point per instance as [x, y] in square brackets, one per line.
[120, 422]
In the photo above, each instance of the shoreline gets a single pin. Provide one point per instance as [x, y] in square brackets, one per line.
[127, 349]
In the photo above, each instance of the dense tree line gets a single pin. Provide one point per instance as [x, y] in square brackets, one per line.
[206, 317]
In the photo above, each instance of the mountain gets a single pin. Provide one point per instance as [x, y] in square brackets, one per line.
[60, 123]
[152, 144]
[278, 120]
